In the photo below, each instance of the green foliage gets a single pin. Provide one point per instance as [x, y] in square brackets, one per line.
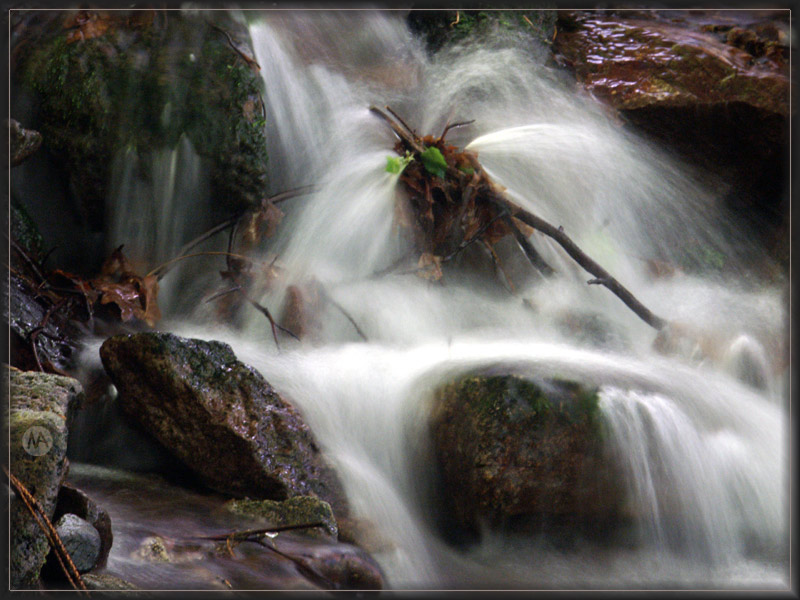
[396, 164]
[434, 162]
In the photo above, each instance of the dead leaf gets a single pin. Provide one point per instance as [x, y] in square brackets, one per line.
[430, 267]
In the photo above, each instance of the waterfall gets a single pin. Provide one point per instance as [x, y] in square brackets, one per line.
[701, 435]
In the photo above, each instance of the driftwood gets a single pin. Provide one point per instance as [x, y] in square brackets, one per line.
[471, 180]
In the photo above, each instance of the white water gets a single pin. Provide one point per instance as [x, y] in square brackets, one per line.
[704, 452]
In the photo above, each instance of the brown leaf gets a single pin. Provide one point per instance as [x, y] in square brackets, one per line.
[88, 24]
[149, 286]
[125, 295]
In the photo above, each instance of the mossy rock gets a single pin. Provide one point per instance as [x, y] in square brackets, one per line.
[40, 406]
[513, 452]
[292, 511]
[143, 83]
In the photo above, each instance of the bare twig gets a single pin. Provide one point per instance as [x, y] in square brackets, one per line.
[247, 534]
[531, 253]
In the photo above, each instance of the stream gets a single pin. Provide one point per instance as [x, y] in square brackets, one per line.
[701, 432]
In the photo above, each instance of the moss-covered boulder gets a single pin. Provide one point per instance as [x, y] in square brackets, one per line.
[40, 407]
[104, 82]
[518, 454]
[220, 417]
[297, 510]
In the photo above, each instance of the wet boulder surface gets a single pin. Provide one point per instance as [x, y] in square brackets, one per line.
[522, 455]
[219, 417]
[711, 86]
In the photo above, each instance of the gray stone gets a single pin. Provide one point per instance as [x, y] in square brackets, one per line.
[81, 540]
[104, 581]
[40, 406]
[71, 500]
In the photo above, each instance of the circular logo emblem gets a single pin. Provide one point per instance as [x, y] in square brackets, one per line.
[37, 440]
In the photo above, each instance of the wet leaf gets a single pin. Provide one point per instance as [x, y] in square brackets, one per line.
[396, 164]
[434, 162]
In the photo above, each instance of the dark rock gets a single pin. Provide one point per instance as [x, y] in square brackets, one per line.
[24, 142]
[334, 566]
[73, 501]
[292, 511]
[712, 86]
[24, 310]
[522, 454]
[103, 81]
[219, 417]
[81, 540]
[25, 233]
[40, 406]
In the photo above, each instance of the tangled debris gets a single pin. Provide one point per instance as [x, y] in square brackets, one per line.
[452, 202]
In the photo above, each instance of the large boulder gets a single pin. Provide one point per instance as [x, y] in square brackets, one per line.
[110, 88]
[219, 417]
[522, 454]
[712, 86]
[40, 407]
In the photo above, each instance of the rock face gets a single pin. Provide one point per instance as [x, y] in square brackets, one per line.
[515, 452]
[39, 409]
[219, 417]
[711, 85]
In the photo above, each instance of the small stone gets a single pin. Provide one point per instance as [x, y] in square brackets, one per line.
[153, 549]
[81, 540]
[104, 581]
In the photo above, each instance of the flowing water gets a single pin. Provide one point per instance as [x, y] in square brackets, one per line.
[701, 433]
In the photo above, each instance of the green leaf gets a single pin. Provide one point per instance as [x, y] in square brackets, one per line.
[396, 164]
[434, 162]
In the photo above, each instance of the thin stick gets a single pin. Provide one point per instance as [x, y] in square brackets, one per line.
[179, 258]
[344, 312]
[602, 276]
[530, 251]
[248, 533]
[450, 126]
[49, 531]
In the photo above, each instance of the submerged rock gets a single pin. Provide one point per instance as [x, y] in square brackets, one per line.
[40, 406]
[522, 454]
[219, 417]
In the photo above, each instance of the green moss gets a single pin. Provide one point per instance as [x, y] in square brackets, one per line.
[296, 510]
[144, 89]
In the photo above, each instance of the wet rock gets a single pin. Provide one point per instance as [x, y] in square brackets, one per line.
[106, 81]
[292, 511]
[25, 233]
[522, 454]
[364, 534]
[153, 549]
[219, 417]
[24, 142]
[27, 312]
[334, 566]
[712, 86]
[40, 406]
[81, 540]
[104, 581]
[73, 501]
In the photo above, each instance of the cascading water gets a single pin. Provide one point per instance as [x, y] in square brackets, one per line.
[702, 443]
